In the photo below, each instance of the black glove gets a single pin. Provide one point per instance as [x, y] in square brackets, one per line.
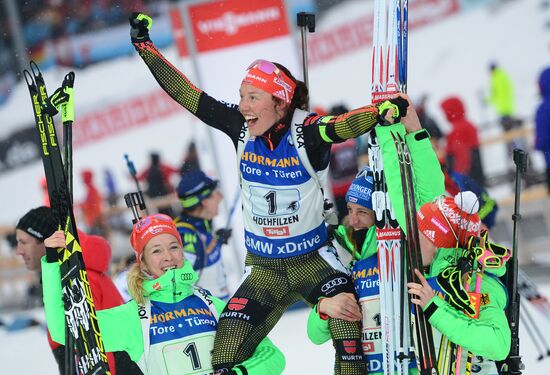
[140, 23]
[399, 106]
[51, 255]
[223, 235]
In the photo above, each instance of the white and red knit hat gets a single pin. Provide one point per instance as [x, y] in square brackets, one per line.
[448, 222]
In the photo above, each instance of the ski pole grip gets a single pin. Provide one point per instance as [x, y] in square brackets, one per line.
[304, 19]
[68, 81]
[520, 159]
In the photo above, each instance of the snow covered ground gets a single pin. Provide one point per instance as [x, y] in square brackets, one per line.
[27, 351]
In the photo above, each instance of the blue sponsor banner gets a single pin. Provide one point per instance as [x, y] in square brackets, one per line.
[286, 247]
[366, 278]
[172, 321]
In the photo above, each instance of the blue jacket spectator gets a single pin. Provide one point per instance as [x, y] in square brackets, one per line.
[542, 121]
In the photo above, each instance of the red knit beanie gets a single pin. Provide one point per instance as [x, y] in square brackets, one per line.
[448, 222]
[149, 227]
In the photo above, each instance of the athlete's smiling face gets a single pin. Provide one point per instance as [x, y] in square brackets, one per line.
[161, 253]
[259, 109]
[360, 217]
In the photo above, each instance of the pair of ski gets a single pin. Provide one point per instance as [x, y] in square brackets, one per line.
[398, 255]
[80, 314]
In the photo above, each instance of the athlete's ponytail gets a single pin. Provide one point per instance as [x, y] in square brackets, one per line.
[136, 277]
[301, 93]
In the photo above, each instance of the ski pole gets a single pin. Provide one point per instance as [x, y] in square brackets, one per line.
[63, 99]
[513, 365]
[132, 169]
[236, 198]
[67, 116]
[304, 20]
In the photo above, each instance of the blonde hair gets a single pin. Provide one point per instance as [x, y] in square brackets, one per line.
[136, 277]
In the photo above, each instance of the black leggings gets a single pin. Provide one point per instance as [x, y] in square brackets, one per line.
[268, 288]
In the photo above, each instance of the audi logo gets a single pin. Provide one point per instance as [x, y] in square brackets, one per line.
[334, 283]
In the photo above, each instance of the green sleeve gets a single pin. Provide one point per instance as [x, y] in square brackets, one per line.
[488, 336]
[428, 179]
[317, 328]
[119, 326]
[121, 330]
[266, 359]
[53, 303]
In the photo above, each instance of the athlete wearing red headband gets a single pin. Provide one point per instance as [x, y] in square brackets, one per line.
[283, 157]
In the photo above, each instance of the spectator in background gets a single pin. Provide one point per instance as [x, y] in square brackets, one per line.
[157, 177]
[456, 182]
[343, 166]
[200, 199]
[542, 121]
[92, 207]
[31, 230]
[110, 187]
[502, 96]
[44, 190]
[462, 148]
[191, 161]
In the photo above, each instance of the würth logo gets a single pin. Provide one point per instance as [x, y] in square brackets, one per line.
[237, 304]
[350, 346]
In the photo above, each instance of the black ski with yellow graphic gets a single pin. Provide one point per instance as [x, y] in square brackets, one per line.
[80, 314]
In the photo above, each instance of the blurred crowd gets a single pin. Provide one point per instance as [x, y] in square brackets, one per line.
[43, 20]
[50, 19]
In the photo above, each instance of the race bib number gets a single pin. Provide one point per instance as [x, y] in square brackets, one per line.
[192, 357]
[274, 202]
[372, 325]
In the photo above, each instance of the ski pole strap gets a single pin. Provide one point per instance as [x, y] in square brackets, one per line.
[67, 108]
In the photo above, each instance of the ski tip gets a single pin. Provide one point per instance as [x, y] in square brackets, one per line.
[28, 77]
[35, 69]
